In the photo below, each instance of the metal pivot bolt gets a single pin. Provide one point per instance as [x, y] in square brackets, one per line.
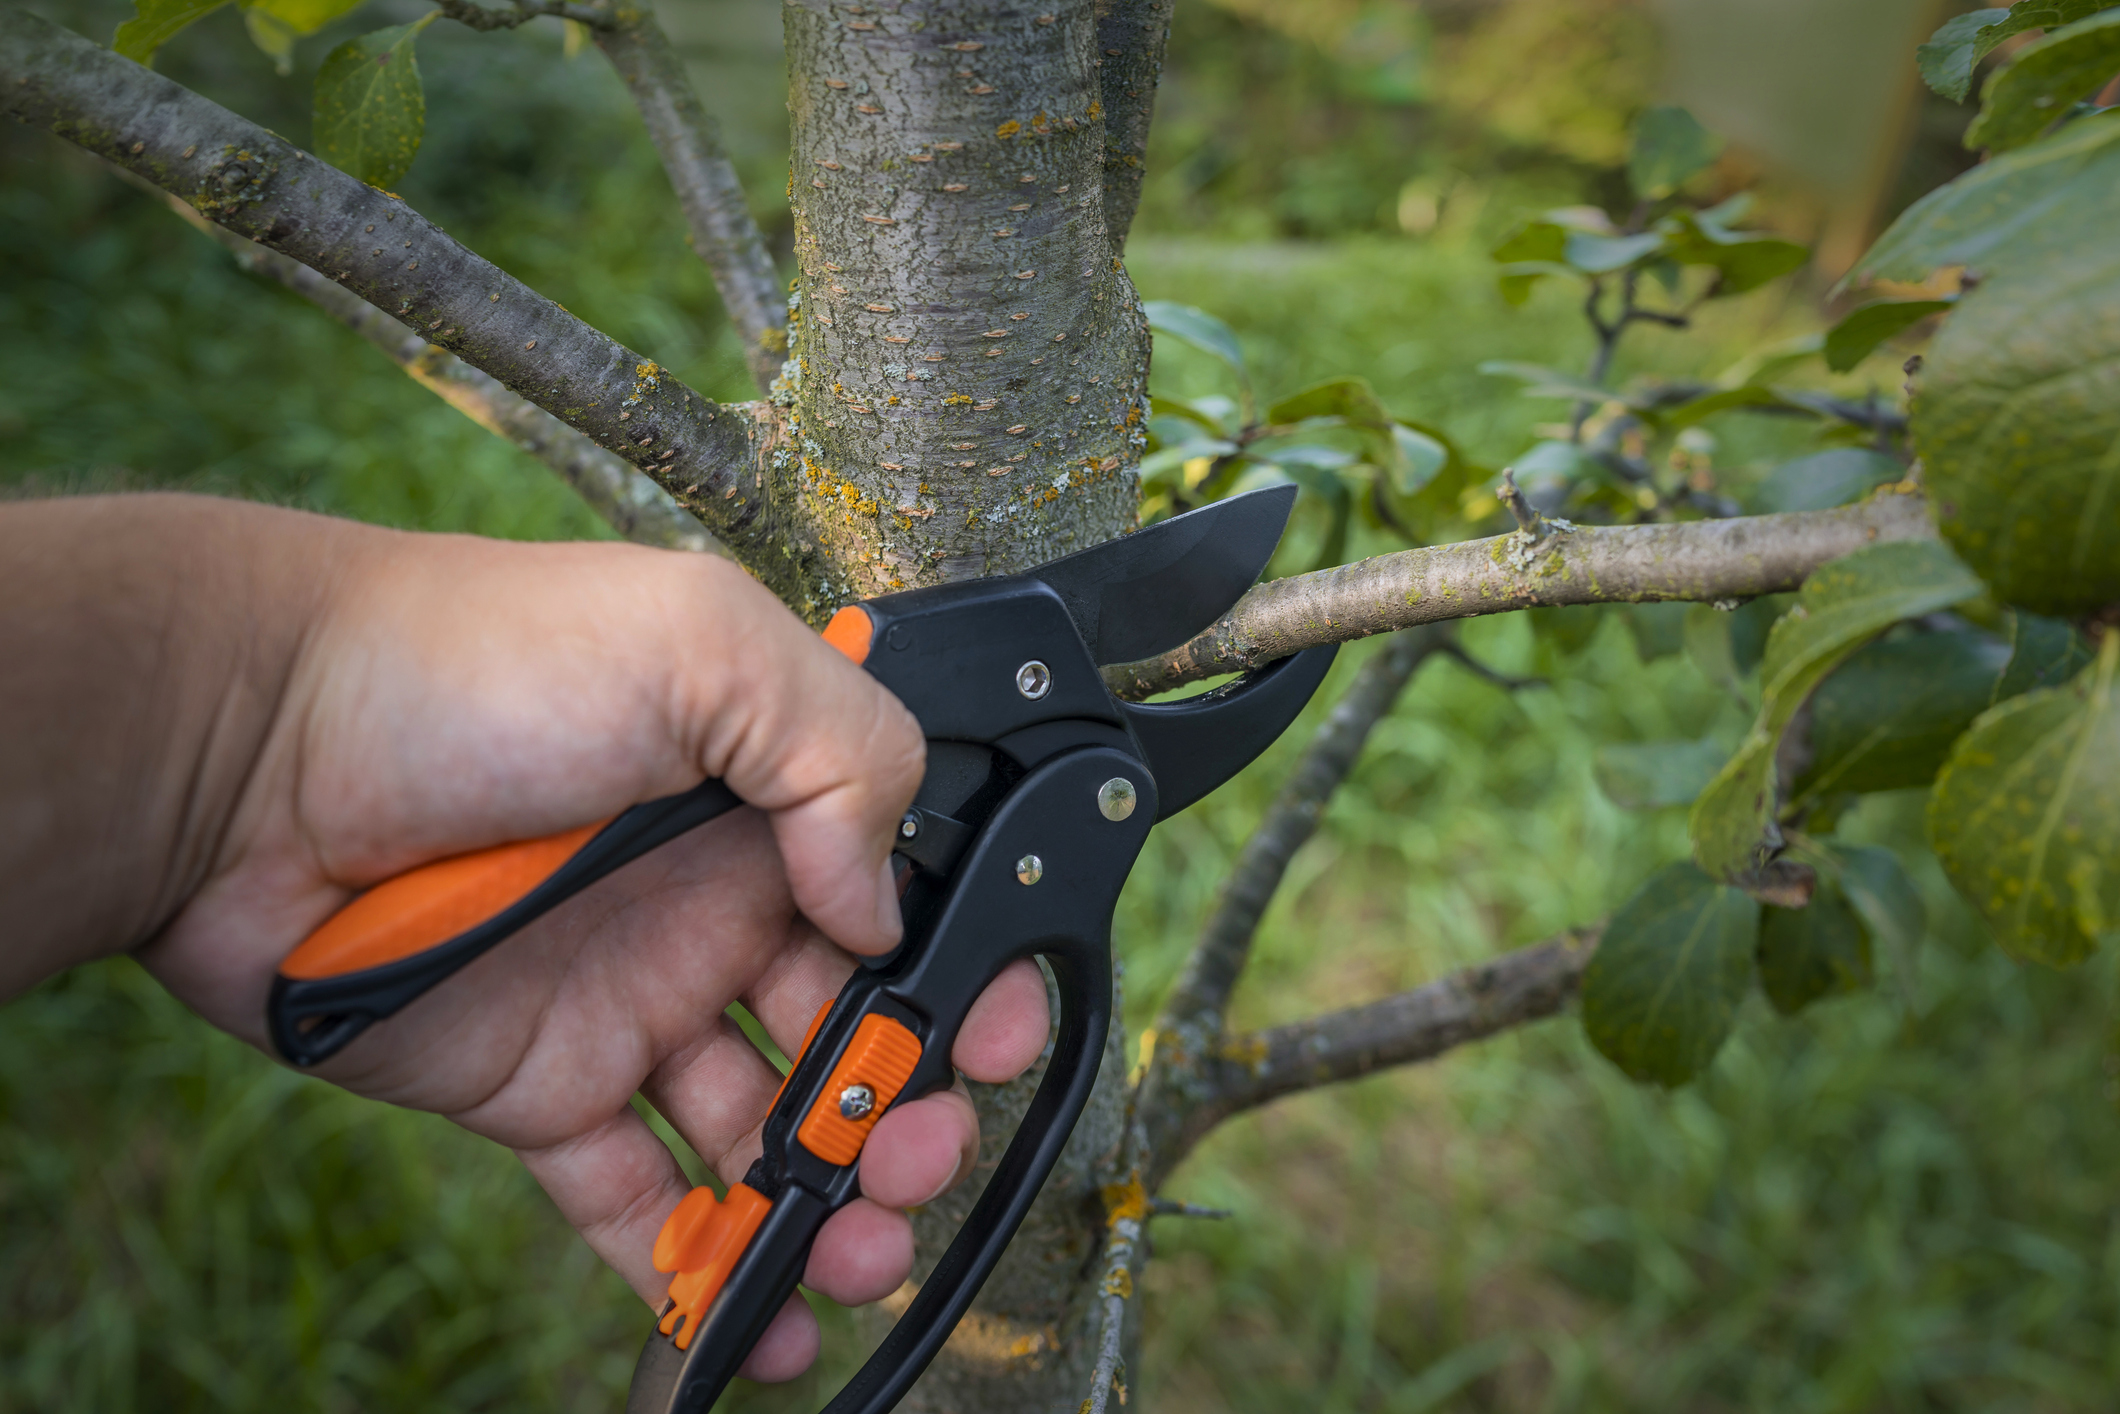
[1034, 679]
[909, 826]
[1030, 869]
[1116, 797]
[856, 1101]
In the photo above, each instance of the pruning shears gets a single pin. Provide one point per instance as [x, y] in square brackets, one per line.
[1040, 790]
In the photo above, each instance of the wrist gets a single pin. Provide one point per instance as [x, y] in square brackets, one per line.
[150, 642]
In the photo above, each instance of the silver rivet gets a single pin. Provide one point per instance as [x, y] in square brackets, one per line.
[1029, 869]
[909, 826]
[1116, 798]
[856, 1101]
[1034, 679]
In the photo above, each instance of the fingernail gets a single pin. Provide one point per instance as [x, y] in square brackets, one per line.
[888, 920]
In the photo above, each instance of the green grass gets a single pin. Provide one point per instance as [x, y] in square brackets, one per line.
[1866, 1209]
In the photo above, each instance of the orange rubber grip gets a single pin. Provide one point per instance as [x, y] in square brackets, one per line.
[850, 631]
[413, 912]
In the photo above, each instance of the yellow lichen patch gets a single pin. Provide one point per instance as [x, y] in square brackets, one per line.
[1247, 1051]
[1125, 1200]
[1096, 109]
[1119, 1282]
[1008, 130]
[956, 398]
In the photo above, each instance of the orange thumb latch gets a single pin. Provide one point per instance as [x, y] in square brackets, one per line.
[700, 1242]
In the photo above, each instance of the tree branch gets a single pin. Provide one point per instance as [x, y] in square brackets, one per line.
[629, 502]
[708, 192]
[1245, 1071]
[472, 15]
[1740, 558]
[267, 190]
[1130, 39]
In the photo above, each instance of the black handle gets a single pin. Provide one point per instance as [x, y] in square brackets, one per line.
[313, 1018]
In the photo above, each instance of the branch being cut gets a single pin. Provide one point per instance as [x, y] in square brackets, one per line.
[1248, 1070]
[1701, 561]
[687, 138]
[629, 502]
[1130, 39]
[265, 189]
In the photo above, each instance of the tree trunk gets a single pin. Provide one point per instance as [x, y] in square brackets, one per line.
[966, 395]
[967, 385]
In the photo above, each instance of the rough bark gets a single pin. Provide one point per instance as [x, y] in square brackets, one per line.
[1702, 561]
[1130, 39]
[968, 361]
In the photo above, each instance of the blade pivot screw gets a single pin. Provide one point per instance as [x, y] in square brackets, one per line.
[1116, 797]
[856, 1101]
[1034, 679]
[909, 826]
[1029, 869]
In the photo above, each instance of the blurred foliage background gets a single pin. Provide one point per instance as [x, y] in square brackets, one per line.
[1899, 1201]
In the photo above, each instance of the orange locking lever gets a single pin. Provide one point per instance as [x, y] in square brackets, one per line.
[400, 938]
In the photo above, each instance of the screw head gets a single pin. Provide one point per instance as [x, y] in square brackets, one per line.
[909, 826]
[856, 1101]
[1034, 679]
[1116, 798]
[1029, 869]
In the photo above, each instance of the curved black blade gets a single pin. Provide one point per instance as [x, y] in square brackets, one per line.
[1150, 591]
[1195, 744]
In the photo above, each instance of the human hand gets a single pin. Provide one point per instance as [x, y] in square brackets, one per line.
[445, 694]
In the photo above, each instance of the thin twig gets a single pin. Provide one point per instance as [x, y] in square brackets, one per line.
[1172, 1208]
[261, 187]
[1246, 1071]
[629, 502]
[1455, 651]
[472, 15]
[723, 232]
[1697, 561]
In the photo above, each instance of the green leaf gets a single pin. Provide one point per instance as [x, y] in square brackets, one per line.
[155, 23]
[1952, 53]
[1882, 895]
[1531, 253]
[1670, 145]
[1200, 329]
[1548, 382]
[1742, 262]
[1825, 479]
[1691, 414]
[1842, 605]
[1707, 640]
[1813, 952]
[1601, 255]
[1860, 331]
[2044, 652]
[2018, 424]
[2012, 212]
[370, 108]
[1885, 719]
[1168, 463]
[275, 25]
[2026, 816]
[1651, 774]
[271, 36]
[1567, 629]
[1421, 458]
[1662, 990]
[2046, 79]
[1191, 412]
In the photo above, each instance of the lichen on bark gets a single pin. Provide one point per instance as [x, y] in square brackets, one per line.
[966, 389]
